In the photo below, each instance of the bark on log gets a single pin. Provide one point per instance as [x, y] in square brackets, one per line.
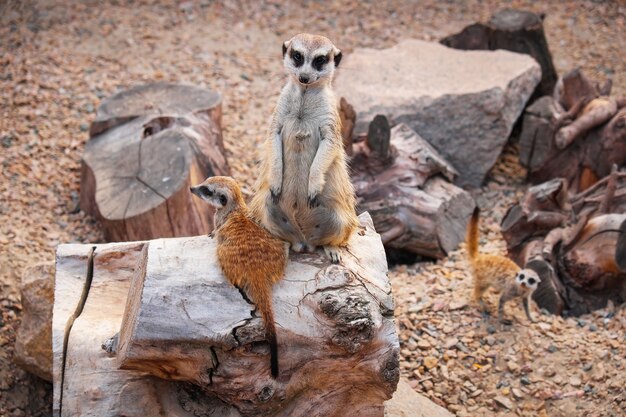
[514, 30]
[575, 243]
[147, 146]
[577, 134]
[329, 318]
[406, 186]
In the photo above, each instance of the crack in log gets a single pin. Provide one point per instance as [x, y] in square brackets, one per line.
[138, 178]
[235, 328]
[246, 321]
[182, 304]
[70, 321]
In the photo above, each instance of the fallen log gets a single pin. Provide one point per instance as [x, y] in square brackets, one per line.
[147, 146]
[338, 349]
[406, 186]
[514, 30]
[577, 134]
[575, 243]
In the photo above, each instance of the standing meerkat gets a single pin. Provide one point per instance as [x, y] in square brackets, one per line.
[500, 273]
[251, 258]
[304, 194]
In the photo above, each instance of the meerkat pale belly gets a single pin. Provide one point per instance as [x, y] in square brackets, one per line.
[301, 141]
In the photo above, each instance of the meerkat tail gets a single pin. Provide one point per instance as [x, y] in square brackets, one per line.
[472, 234]
[261, 294]
[270, 329]
[273, 352]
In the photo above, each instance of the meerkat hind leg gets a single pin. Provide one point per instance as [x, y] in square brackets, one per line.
[525, 302]
[334, 253]
[501, 318]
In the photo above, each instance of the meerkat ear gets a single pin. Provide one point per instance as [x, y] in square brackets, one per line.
[338, 56]
[285, 47]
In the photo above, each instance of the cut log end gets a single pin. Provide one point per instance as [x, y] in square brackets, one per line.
[147, 146]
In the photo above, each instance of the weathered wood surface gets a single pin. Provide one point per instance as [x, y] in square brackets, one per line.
[147, 146]
[577, 134]
[406, 186]
[337, 342]
[575, 243]
[70, 286]
[91, 287]
[514, 30]
[338, 350]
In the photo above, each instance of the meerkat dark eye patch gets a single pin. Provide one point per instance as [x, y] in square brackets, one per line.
[338, 57]
[521, 276]
[320, 61]
[531, 281]
[223, 199]
[297, 57]
[206, 191]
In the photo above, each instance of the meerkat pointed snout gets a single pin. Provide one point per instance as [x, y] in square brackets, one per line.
[310, 59]
[223, 193]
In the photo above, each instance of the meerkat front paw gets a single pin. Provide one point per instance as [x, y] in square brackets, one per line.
[314, 200]
[276, 193]
[334, 253]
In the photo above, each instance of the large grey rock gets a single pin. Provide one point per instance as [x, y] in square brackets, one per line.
[463, 102]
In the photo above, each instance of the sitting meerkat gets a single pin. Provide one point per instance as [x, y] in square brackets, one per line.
[304, 170]
[500, 273]
[250, 257]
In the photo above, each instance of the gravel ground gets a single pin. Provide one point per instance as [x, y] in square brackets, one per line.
[57, 61]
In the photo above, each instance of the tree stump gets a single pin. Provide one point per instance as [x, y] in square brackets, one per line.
[338, 349]
[514, 30]
[575, 243]
[578, 134]
[405, 185]
[147, 146]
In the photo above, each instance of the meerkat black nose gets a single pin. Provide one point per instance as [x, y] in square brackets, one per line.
[304, 79]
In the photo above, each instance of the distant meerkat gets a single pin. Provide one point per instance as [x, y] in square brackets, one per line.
[250, 257]
[500, 273]
[304, 169]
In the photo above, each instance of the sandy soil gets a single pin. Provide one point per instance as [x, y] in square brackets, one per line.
[57, 61]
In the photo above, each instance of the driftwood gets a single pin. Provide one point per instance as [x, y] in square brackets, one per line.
[577, 134]
[405, 185]
[147, 146]
[338, 349]
[575, 243]
[514, 30]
